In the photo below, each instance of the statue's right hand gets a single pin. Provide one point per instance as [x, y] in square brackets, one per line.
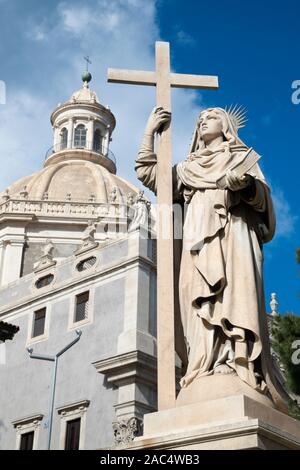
[158, 119]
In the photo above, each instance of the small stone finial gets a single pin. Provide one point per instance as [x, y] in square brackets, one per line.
[274, 305]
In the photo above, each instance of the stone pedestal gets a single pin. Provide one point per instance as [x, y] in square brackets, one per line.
[231, 423]
[213, 387]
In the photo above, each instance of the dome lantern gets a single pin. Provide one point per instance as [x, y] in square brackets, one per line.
[82, 129]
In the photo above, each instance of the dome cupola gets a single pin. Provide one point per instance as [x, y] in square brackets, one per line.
[82, 129]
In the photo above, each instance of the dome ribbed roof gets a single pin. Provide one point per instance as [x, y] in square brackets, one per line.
[81, 180]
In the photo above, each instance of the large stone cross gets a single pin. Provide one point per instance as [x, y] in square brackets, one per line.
[163, 79]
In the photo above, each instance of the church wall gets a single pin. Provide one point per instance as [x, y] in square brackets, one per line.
[77, 378]
[32, 252]
[27, 381]
[15, 291]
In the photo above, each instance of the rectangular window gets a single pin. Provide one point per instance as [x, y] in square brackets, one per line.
[81, 306]
[73, 434]
[26, 442]
[39, 322]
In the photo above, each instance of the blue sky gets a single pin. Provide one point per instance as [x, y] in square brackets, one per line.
[251, 46]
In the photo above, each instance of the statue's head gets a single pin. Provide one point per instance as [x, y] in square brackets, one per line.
[210, 125]
[218, 122]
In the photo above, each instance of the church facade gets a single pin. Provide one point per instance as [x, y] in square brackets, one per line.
[76, 266]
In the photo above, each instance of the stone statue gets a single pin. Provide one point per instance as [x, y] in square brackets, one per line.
[24, 193]
[88, 238]
[46, 260]
[130, 199]
[221, 298]
[113, 195]
[6, 196]
[48, 249]
[89, 232]
[141, 209]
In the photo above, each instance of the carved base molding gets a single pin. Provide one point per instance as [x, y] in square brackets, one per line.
[232, 423]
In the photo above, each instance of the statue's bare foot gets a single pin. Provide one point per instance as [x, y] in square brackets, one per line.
[223, 369]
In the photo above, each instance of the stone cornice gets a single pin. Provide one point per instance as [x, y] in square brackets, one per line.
[135, 366]
[81, 155]
[96, 107]
[79, 405]
[27, 420]
[128, 263]
[17, 217]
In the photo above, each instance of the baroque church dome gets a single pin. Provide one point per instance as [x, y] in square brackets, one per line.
[76, 191]
[80, 166]
[75, 180]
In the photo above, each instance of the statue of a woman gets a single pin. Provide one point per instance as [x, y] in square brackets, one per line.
[221, 279]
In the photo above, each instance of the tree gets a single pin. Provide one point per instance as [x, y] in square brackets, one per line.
[285, 334]
[298, 255]
[286, 344]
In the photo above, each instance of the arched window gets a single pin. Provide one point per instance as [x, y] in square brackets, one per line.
[80, 137]
[63, 139]
[97, 146]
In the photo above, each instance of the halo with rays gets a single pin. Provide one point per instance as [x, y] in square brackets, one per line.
[237, 116]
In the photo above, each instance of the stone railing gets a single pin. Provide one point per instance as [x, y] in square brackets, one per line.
[89, 146]
[64, 208]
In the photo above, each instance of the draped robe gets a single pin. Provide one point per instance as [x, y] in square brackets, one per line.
[221, 293]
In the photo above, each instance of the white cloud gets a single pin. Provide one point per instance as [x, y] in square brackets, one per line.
[286, 221]
[104, 14]
[185, 38]
[24, 130]
[38, 34]
[118, 34]
[77, 19]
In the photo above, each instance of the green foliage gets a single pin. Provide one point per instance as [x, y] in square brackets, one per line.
[294, 410]
[285, 331]
[298, 255]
